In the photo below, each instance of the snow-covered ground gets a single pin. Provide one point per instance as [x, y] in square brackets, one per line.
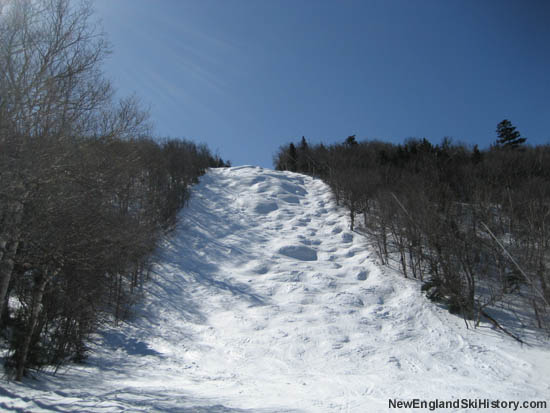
[263, 301]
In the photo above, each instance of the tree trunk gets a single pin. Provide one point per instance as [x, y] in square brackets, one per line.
[9, 242]
[7, 262]
[37, 295]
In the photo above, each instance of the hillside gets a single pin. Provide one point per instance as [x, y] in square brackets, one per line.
[262, 300]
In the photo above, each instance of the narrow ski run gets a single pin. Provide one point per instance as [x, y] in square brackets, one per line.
[262, 300]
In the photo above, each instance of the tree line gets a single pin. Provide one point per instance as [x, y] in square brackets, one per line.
[472, 225]
[85, 192]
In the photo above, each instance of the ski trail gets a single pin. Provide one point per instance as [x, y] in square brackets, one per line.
[262, 300]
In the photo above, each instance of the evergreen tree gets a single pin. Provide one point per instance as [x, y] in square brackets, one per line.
[302, 156]
[508, 136]
[303, 144]
[292, 155]
[350, 141]
[477, 156]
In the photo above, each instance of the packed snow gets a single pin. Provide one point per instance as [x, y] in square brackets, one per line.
[262, 300]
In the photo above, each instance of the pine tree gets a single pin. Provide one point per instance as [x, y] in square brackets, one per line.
[477, 156]
[508, 136]
[350, 141]
[303, 144]
[292, 155]
[302, 156]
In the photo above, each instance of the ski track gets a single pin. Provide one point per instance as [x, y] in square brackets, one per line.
[262, 300]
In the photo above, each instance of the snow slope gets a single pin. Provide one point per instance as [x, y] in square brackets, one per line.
[263, 301]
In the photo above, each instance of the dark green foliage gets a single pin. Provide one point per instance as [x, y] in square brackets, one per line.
[508, 136]
[292, 158]
[477, 157]
[287, 159]
[350, 141]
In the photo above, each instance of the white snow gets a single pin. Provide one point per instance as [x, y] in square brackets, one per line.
[263, 301]
[299, 252]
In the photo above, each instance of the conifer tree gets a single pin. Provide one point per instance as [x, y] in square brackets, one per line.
[302, 156]
[508, 136]
[292, 155]
[350, 141]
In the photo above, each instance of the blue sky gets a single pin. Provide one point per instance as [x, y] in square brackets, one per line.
[246, 76]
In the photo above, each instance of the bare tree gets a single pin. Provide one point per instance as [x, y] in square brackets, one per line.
[51, 85]
[473, 226]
